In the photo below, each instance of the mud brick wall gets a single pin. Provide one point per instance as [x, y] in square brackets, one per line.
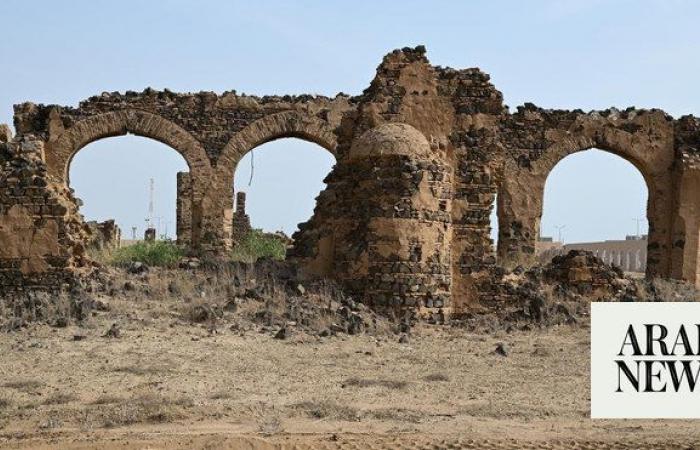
[423, 155]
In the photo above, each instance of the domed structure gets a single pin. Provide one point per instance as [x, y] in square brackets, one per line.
[392, 248]
[391, 139]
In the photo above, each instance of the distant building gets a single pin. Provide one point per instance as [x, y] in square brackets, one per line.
[629, 254]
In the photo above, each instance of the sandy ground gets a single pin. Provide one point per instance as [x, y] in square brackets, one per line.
[166, 383]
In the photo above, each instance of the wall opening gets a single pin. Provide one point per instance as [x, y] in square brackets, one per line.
[493, 220]
[597, 201]
[281, 180]
[112, 177]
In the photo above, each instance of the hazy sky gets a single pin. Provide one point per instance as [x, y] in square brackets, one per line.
[585, 54]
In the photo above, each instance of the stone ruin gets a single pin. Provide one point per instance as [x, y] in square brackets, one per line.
[421, 156]
[104, 235]
[241, 221]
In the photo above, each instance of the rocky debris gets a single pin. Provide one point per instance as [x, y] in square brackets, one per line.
[282, 333]
[501, 349]
[113, 332]
[203, 312]
[584, 274]
[137, 268]
[190, 263]
[558, 293]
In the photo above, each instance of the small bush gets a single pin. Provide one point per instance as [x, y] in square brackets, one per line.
[258, 244]
[156, 253]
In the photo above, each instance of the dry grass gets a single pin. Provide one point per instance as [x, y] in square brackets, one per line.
[146, 408]
[144, 369]
[327, 409]
[5, 403]
[366, 382]
[24, 385]
[221, 395]
[396, 414]
[439, 377]
[60, 398]
[106, 400]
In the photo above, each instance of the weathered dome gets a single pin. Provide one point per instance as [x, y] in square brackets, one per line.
[391, 139]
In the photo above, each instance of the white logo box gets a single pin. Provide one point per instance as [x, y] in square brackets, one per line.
[610, 324]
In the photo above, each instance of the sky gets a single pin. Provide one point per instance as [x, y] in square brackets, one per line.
[588, 54]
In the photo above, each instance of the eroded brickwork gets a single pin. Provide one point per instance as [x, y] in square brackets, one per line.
[241, 221]
[421, 156]
[104, 235]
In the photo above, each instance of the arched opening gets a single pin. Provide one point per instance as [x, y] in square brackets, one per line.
[112, 178]
[597, 201]
[275, 186]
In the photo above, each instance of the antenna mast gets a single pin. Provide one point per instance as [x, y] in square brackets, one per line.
[150, 203]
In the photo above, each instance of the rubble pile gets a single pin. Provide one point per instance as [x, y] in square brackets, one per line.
[559, 292]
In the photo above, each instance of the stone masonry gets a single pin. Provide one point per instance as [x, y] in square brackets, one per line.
[104, 235]
[421, 155]
[241, 221]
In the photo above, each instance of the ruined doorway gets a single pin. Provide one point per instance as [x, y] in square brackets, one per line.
[275, 189]
[112, 178]
[597, 201]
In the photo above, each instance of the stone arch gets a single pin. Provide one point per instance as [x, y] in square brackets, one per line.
[652, 153]
[287, 124]
[275, 126]
[62, 150]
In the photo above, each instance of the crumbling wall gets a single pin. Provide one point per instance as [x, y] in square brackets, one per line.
[404, 220]
[536, 140]
[104, 235]
[42, 235]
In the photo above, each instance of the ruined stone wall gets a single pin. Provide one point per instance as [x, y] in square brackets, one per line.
[535, 140]
[183, 210]
[104, 235]
[42, 236]
[241, 221]
[421, 156]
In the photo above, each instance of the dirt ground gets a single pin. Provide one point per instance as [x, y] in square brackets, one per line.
[168, 383]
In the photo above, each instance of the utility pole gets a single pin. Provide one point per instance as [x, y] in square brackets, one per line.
[559, 229]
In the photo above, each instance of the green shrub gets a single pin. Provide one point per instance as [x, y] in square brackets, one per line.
[258, 244]
[155, 253]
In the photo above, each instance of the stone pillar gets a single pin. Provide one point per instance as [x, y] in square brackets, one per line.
[183, 209]
[519, 212]
[212, 213]
[241, 221]
[686, 255]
